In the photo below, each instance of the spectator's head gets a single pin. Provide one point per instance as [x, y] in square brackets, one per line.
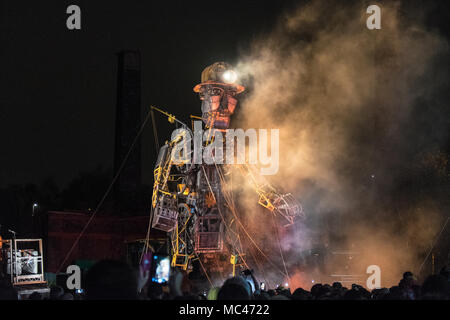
[233, 292]
[212, 293]
[235, 288]
[354, 294]
[261, 296]
[337, 285]
[435, 287]
[56, 292]
[445, 272]
[185, 297]
[380, 294]
[286, 292]
[403, 283]
[111, 280]
[241, 281]
[325, 292]
[407, 281]
[67, 296]
[408, 275]
[154, 291]
[397, 293]
[35, 296]
[7, 291]
[301, 294]
[316, 289]
[417, 290]
[271, 293]
[280, 297]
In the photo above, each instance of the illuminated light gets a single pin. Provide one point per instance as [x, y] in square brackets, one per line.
[312, 281]
[35, 204]
[229, 76]
[286, 284]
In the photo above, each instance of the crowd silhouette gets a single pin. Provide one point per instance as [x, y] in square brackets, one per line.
[116, 280]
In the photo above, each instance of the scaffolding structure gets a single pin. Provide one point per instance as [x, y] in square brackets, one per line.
[193, 201]
[25, 261]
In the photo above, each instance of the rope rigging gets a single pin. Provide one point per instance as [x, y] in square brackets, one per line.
[108, 190]
[182, 240]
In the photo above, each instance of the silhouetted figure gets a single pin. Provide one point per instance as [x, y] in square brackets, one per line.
[235, 289]
[111, 280]
[435, 287]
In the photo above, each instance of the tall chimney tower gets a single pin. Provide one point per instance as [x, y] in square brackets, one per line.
[128, 121]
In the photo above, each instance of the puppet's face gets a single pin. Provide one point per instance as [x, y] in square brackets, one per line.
[218, 104]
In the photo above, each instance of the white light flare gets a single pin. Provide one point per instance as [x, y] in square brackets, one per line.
[229, 76]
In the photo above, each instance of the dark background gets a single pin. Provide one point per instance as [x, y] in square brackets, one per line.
[59, 90]
[59, 85]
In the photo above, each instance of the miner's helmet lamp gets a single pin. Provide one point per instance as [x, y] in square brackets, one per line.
[220, 73]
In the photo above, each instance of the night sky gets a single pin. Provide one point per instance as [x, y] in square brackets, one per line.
[58, 86]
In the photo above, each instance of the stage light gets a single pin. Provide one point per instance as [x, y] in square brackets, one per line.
[34, 209]
[229, 76]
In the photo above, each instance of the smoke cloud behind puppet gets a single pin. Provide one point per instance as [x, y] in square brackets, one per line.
[357, 109]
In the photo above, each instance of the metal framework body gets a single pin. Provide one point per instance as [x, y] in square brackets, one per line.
[194, 205]
[192, 201]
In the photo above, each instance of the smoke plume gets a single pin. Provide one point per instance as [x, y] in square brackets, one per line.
[357, 109]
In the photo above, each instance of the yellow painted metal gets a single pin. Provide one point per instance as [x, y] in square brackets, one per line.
[170, 117]
[179, 246]
[234, 262]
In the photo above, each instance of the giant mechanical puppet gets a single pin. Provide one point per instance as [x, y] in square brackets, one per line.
[192, 201]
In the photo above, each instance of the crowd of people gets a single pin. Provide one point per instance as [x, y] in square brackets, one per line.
[115, 280]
